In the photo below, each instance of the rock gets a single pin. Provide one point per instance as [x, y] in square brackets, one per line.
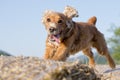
[34, 68]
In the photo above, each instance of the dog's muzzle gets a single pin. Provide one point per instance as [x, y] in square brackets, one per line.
[54, 35]
[52, 29]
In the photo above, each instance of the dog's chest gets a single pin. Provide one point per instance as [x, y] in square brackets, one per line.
[53, 44]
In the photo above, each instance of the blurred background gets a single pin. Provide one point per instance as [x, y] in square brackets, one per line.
[22, 33]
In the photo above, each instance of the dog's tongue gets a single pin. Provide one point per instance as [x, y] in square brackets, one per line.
[56, 38]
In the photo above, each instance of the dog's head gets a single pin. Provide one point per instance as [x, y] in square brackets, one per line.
[56, 23]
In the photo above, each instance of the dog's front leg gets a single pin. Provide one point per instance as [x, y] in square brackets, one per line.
[62, 53]
[49, 52]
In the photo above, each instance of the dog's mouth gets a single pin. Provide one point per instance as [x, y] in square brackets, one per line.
[55, 38]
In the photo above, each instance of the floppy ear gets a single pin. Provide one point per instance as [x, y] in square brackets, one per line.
[70, 12]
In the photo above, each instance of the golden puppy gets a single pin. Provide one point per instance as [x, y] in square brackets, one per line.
[66, 37]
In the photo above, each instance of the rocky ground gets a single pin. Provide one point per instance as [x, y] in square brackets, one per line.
[108, 73]
[34, 68]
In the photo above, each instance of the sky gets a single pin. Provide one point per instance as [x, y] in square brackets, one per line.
[21, 30]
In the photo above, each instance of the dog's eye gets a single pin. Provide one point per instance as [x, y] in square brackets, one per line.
[48, 20]
[60, 21]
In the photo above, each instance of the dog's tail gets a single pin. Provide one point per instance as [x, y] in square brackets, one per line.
[92, 20]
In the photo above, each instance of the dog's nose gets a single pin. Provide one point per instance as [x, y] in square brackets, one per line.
[51, 29]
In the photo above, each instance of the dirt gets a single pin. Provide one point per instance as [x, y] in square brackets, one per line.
[34, 68]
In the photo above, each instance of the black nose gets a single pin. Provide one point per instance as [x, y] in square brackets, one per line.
[51, 29]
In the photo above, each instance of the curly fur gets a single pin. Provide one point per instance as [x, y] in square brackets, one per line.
[73, 37]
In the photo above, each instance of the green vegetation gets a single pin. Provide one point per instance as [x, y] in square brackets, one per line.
[114, 42]
[4, 53]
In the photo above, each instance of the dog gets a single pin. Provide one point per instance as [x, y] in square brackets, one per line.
[67, 37]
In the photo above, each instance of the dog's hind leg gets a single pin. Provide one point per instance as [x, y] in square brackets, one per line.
[90, 56]
[101, 46]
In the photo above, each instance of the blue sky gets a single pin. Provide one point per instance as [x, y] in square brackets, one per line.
[21, 30]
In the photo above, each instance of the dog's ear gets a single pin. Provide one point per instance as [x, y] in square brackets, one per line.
[70, 12]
